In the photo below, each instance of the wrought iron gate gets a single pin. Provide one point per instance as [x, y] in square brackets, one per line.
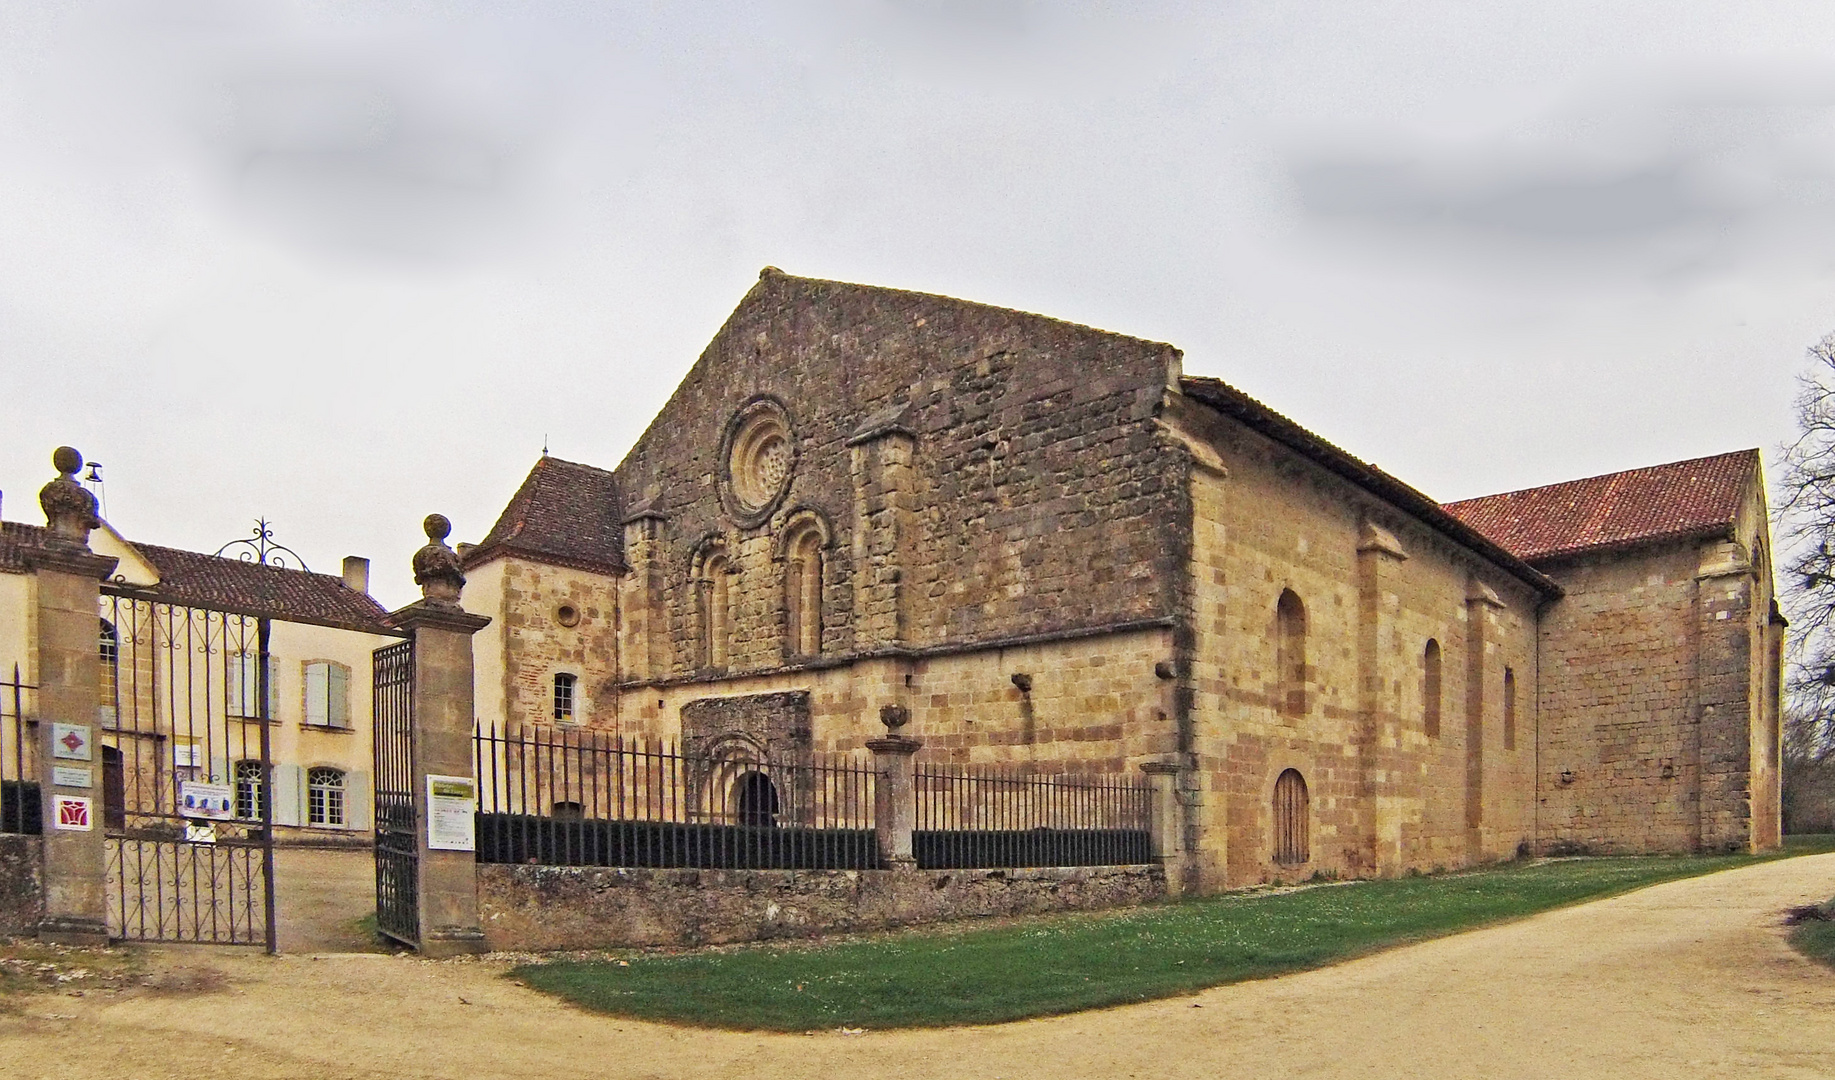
[397, 833]
[187, 778]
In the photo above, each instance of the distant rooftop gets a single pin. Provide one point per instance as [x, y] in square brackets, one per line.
[1697, 497]
[249, 588]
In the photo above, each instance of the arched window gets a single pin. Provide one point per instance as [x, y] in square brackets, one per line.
[108, 650]
[324, 796]
[248, 790]
[711, 589]
[1290, 658]
[756, 798]
[1430, 688]
[564, 685]
[1292, 811]
[803, 593]
[1509, 709]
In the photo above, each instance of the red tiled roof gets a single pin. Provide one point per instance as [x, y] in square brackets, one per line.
[564, 512]
[195, 579]
[1684, 498]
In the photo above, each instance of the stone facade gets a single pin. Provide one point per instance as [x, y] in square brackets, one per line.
[538, 908]
[1040, 543]
[22, 886]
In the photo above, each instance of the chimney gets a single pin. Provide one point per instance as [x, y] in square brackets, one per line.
[357, 573]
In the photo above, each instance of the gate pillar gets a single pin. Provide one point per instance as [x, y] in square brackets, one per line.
[445, 787]
[66, 577]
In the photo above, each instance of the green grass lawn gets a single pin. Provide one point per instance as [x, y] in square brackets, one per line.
[1060, 964]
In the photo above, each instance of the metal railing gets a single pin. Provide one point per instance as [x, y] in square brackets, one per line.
[979, 816]
[576, 797]
[19, 794]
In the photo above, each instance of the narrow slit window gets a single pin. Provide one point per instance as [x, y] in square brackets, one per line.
[1430, 689]
[1290, 655]
[1509, 709]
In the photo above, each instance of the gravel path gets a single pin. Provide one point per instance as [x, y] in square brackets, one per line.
[1688, 979]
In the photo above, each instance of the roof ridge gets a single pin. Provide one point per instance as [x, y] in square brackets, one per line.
[1751, 453]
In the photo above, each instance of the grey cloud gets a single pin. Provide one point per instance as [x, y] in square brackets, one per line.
[1657, 186]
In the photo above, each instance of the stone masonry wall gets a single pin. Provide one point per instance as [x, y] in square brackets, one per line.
[1385, 795]
[1620, 748]
[1039, 498]
[539, 908]
[1096, 704]
[537, 644]
[22, 901]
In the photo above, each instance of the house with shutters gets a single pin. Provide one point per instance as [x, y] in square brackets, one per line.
[177, 637]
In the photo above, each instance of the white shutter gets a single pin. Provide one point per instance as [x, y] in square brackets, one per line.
[338, 691]
[317, 694]
[289, 795]
[357, 799]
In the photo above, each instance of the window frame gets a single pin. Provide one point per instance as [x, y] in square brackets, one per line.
[571, 684]
[336, 677]
[323, 797]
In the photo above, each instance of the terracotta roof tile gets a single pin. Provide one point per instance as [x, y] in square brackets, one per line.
[1683, 498]
[564, 512]
[193, 578]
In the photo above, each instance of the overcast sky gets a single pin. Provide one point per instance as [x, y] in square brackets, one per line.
[344, 264]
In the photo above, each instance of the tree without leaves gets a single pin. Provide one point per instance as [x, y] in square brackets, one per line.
[1807, 520]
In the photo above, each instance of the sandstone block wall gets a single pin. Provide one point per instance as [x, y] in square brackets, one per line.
[532, 642]
[1385, 795]
[1038, 497]
[551, 907]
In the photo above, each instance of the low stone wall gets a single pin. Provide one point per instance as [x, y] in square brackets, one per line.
[22, 898]
[541, 908]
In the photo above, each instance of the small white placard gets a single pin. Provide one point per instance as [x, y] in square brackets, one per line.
[452, 802]
[213, 802]
[187, 753]
[72, 776]
[70, 741]
[71, 813]
[200, 832]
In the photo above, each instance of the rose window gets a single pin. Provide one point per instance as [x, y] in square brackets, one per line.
[760, 458]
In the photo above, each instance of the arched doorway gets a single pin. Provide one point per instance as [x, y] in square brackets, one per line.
[756, 798]
[1292, 827]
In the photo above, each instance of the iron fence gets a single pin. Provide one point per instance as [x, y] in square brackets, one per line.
[575, 797]
[20, 811]
[977, 817]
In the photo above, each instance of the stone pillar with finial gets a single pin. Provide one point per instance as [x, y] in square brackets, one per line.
[66, 580]
[441, 734]
[895, 796]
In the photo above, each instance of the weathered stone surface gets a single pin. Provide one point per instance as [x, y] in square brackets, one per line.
[22, 901]
[552, 907]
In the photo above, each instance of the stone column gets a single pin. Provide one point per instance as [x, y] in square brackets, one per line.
[65, 576]
[1166, 825]
[895, 796]
[441, 734]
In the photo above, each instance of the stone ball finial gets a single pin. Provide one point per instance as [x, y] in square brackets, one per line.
[436, 566]
[70, 510]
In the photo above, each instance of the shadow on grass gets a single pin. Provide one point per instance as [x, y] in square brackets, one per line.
[1046, 966]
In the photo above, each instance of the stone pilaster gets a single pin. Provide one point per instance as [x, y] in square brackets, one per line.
[1481, 608]
[65, 586]
[1724, 673]
[644, 622]
[442, 740]
[883, 479]
[1379, 561]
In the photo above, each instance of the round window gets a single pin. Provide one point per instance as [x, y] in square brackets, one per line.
[567, 615]
[760, 457]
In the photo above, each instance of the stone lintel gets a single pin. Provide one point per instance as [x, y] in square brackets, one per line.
[1477, 592]
[1161, 768]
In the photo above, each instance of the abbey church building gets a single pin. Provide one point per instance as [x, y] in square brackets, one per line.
[1021, 540]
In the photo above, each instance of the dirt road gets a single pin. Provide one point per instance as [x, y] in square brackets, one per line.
[1689, 979]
